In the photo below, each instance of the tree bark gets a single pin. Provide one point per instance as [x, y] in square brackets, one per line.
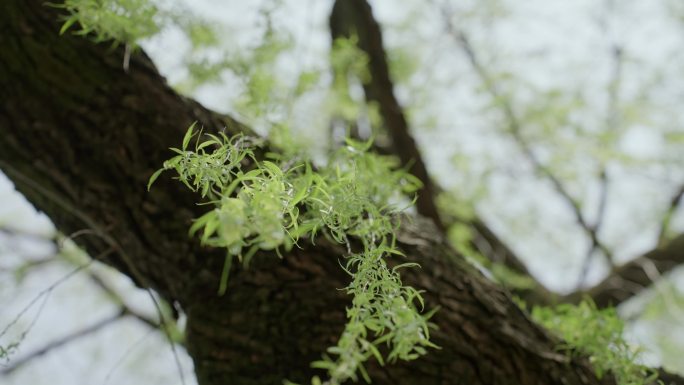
[80, 138]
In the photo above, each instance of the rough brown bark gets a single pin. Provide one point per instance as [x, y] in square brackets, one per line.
[80, 137]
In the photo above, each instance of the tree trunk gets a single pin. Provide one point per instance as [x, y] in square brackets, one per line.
[80, 137]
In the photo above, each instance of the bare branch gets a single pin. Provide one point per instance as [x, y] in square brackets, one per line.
[43, 294]
[675, 201]
[124, 311]
[63, 341]
[100, 282]
[612, 122]
[12, 232]
[514, 129]
[629, 279]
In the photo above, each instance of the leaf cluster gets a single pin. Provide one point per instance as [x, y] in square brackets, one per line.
[271, 204]
[125, 21]
[598, 333]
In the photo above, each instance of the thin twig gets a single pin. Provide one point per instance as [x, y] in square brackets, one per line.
[63, 341]
[18, 176]
[675, 201]
[514, 129]
[12, 232]
[100, 282]
[42, 294]
[121, 359]
[603, 200]
[612, 123]
[30, 264]
[125, 310]
[167, 333]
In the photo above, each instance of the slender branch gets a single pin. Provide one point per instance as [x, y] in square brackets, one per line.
[629, 279]
[28, 264]
[125, 355]
[167, 333]
[63, 341]
[612, 122]
[514, 129]
[675, 201]
[101, 233]
[603, 202]
[124, 310]
[12, 232]
[31, 263]
[43, 293]
[96, 278]
[603, 199]
[100, 283]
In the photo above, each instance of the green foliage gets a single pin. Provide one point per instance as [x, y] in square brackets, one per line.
[125, 21]
[597, 333]
[350, 66]
[263, 93]
[200, 34]
[461, 211]
[8, 350]
[348, 59]
[403, 64]
[276, 202]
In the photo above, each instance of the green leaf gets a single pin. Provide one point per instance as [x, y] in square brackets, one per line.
[154, 178]
[68, 23]
[201, 222]
[364, 373]
[272, 168]
[227, 264]
[188, 135]
[323, 365]
[376, 353]
[403, 265]
[249, 254]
